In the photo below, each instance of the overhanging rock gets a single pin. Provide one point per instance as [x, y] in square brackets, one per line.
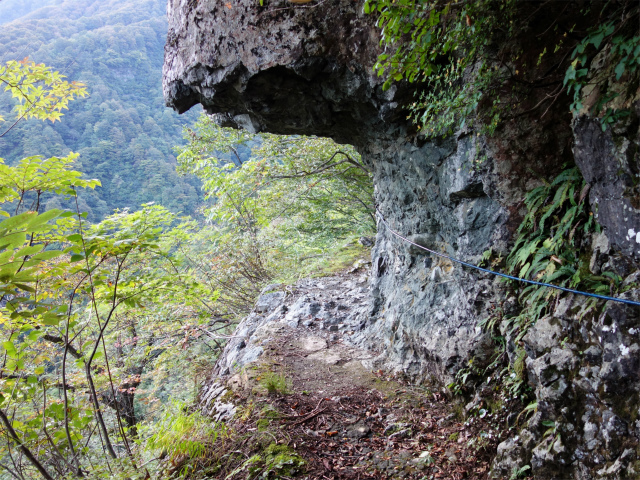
[282, 68]
[307, 69]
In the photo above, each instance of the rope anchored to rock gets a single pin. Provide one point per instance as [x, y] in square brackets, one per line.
[504, 275]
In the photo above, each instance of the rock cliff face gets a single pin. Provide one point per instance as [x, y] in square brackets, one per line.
[308, 70]
[609, 162]
[280, 69]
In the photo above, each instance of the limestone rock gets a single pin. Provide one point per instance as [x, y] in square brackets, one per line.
[286, 70]
[269, 301]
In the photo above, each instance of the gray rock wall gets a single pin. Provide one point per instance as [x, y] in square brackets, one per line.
[279, 68]
[300, 70]
[584, 368]
[610, 162]
[583, 360]
[425, 309]
[307, 70]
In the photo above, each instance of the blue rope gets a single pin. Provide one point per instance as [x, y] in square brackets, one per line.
[504, 275]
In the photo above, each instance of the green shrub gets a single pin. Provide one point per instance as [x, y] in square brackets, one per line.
[179, 433]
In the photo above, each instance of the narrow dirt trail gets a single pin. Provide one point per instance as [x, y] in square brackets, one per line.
[292, 378]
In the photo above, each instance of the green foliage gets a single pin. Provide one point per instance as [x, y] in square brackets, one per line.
[552, 433]
[521, 472]
[34, 177]
[113, 297]
[445, 45]
[274, 383]
[279, 203]
[460, 383]
[40, 91]
[530, 409]
[616, 42]
[307, 184]
[179, 433]
[471, 58]
[519, 366]
[419, 34]
[275, 462]
[122, 130]
[281, 460]
[86, 311]
[550, 247]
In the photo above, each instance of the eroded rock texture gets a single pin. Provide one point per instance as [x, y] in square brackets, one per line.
[424, 311]
[610, 162]
[307, 70]
[277, 68]
[584, 371]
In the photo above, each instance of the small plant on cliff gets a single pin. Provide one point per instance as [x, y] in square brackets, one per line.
[447, 45]
[479, 64]
[552, 247]
[274, 383]
[521, 472]
[181, 433]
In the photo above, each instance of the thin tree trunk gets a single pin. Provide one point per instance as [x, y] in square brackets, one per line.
[27, 453]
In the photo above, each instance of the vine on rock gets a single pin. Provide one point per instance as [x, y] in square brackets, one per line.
[474, 61]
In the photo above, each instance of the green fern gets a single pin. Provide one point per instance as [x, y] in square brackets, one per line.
[180, 434]
[549, 248]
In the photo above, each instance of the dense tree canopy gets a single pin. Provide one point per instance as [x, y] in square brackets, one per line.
[122, 130]
[101, 323]
[86, 311]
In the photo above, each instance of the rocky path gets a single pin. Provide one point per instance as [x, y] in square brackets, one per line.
[302, 401]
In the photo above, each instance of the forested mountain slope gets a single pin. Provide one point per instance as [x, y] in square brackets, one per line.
[123, 131]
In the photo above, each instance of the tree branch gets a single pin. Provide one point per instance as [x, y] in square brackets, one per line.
[59, 340]
[27, 453]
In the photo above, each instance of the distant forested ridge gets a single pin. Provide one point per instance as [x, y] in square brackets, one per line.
[123, 131]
